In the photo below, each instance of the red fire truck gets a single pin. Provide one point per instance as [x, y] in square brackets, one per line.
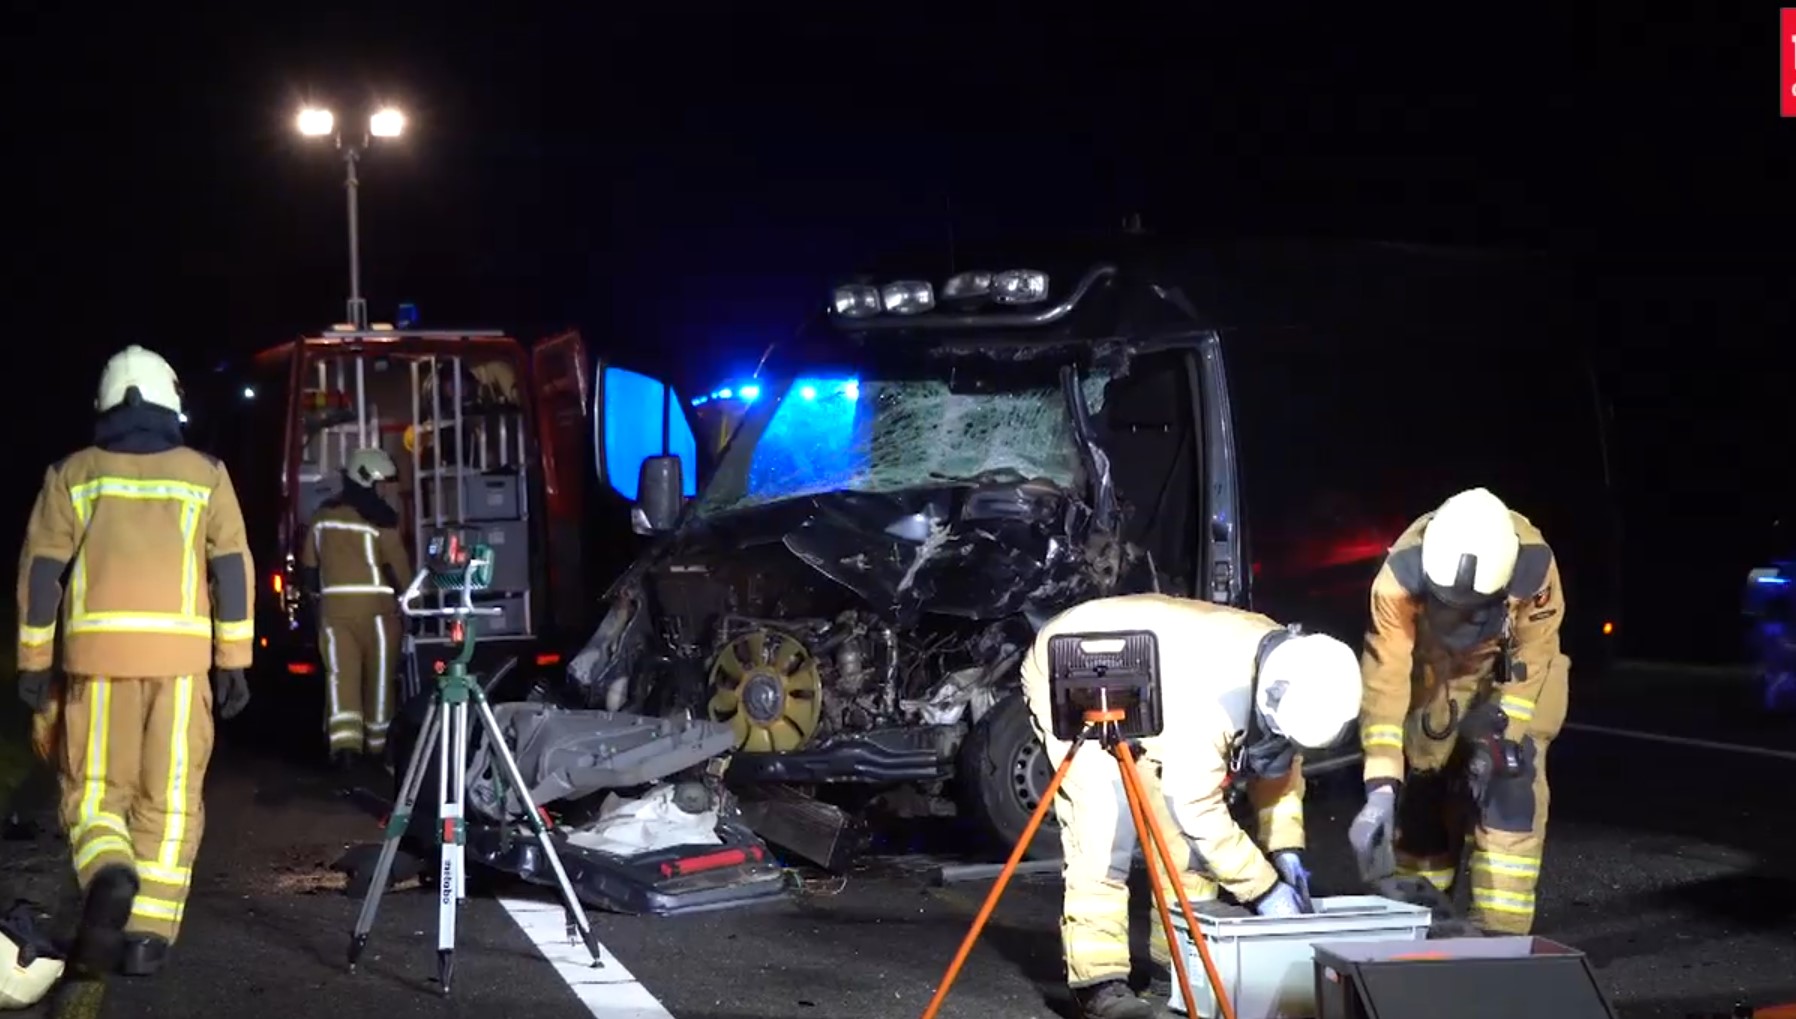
[487, 434]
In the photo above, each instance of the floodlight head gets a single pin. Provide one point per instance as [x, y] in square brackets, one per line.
[387, 122]
[1113, 678]
[315, 122]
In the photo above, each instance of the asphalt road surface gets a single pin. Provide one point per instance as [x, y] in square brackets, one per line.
[1669, 863]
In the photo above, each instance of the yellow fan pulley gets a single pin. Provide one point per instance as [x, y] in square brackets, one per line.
[765, 686]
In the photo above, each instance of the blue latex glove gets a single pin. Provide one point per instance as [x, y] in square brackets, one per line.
[1291, 869]
[1280, 901]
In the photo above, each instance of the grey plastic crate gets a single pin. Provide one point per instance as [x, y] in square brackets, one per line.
[510, 624]
[1267, 963]
[492, 495]
[488, 495]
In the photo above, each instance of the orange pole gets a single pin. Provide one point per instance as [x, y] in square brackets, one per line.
[1143, 834]
[1125, 760]
[1004, 876]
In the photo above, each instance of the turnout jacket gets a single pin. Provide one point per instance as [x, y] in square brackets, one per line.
[355, 557]
[1405, 658]
[122, 543]
[1209, 656]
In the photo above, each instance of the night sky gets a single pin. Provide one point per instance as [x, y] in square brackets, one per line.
[689, 182]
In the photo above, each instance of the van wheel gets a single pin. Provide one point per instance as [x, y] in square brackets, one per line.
[1003, 772]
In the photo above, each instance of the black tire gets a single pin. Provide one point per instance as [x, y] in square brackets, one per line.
[1002, 773]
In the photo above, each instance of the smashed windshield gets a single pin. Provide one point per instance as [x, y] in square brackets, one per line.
[879, 436]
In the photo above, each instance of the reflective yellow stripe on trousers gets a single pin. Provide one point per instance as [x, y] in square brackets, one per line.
[166, 868]
[1515, 903]
[188, 622]
[1434, 870]
[98, 833]
[1509, 865]
[180, 775]
[378, 725]
[341, 728]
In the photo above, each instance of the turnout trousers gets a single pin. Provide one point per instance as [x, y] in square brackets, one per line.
[131, 759]
[1436, 811]
[361, 656]
[1098, 841]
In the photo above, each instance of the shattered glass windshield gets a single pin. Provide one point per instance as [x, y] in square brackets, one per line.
[831, 435]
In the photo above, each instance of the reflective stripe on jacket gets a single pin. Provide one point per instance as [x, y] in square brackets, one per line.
[1395, 643]
[122, 543]
[358, 563]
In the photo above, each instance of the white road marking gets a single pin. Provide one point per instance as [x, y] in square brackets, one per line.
[608, 993]
[1685, 741]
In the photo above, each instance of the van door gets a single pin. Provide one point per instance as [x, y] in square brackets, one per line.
[1150, 426]
[633, 416]
[1223, 540]
[558, 370]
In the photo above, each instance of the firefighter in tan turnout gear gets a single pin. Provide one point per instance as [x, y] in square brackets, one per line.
[356, 563]
[1465, 690]
[1242, 696]
[135, 523]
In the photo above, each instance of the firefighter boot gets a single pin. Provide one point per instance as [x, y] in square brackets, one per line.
[144, 955]
[1159, 984]
[100, 939]
[1111, 999]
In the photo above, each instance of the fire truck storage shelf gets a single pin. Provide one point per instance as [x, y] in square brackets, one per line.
[460, 443]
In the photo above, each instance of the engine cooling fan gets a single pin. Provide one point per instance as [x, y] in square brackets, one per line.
[765, 686]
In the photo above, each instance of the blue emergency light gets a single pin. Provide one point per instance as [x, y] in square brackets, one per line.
[406, 317]
[804, 388]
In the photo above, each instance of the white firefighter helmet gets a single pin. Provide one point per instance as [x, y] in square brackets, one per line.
[370, 465]
[24, 983]
[1469, 548]
[143, 369]
[1309, 689]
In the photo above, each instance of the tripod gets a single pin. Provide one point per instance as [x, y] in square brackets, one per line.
[1104, 724]
[446, 730]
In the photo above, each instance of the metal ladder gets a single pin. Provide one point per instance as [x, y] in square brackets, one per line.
[464, 446]
[328, 453]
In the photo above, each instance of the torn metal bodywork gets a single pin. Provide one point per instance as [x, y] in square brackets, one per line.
[858, 631]
[909, 492]
[570, 758]
[569, 755]
[850, 619]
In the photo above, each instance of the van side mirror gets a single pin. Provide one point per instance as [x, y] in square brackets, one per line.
[659, 495]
